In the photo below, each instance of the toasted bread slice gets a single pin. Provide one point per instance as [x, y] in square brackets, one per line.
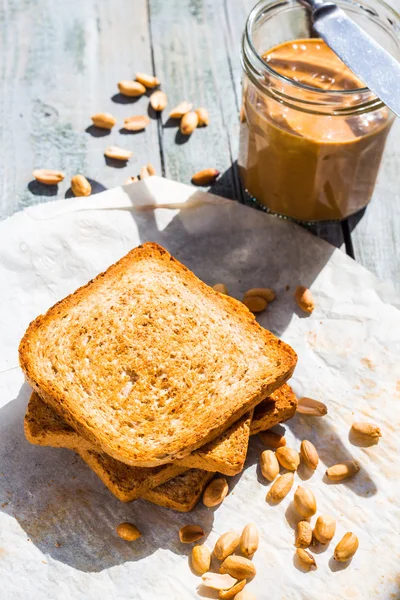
[279, 407]
[149, 363]
[44, 427]
[181, 493]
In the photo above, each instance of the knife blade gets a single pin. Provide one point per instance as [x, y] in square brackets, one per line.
[378, 69]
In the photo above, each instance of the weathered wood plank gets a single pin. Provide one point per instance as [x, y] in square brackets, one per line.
[191, 59]
[59, 67]
[376, 236]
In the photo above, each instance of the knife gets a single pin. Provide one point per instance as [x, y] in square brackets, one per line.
[358, 50]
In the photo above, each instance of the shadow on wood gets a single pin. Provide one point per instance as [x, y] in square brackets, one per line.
[40, 189]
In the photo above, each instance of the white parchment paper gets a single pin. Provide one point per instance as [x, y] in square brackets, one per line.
[57, 520]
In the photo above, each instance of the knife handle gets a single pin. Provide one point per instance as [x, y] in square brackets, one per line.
[317, 5]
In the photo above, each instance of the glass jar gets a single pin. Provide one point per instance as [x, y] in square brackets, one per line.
[307, 153]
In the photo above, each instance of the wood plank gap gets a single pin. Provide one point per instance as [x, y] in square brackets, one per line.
[348, 242]
[160, 130]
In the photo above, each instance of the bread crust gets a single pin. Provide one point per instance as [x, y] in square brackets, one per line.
[132, 446]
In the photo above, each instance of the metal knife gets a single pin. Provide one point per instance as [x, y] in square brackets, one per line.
[358, 50]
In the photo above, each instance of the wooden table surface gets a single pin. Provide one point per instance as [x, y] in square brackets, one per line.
[61, 62]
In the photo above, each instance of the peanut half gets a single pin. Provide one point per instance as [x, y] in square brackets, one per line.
[136, 123]
[217, 581]
[324, 529]
[272, 439]
[255, 304]
[369, 433]
[346, 548]
[181, 109]
[149, 81]
[227, 594]
[128, 532]
[201, 559]
[158, 101]
[205, 177]
[343, 470]
[131, 88]
[151, 170]
[238, 567]
[281, 487]
[215, 492]
[221, 288]
[191, 533]
[267, 293]
[288, 458]
[269, 465]
[144, 172]
[80, 186]
[309, 454]
[103, 120]
[226, 545]
[304, 299]
[203, 117]
[306, 559]
[47, 176]
[189, 123]
[304, 502]
[313, 408]
[117, 153]
[249, 540]
[303, 534]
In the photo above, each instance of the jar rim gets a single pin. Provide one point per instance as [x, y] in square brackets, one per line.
[247, 37]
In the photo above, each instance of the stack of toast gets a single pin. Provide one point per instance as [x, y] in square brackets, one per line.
[155, 379]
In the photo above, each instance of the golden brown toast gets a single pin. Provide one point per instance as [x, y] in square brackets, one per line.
[148, 363]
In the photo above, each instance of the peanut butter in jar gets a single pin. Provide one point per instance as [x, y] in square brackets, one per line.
[312, 136]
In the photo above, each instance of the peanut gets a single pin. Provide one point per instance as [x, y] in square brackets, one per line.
[303, 534]
[309, 454]
[281, 487]
[201, 559]
[304, 502]
[144, 172]
[367, 432]
[221, 288]
[343, 470]
[158, 101]
[249, 540]
[103, 120]
[288, 458]
[324, 529]
[306, 559]
[238, 567]
[47, 176]
[203, 117]
[255, 304]
[180, 110]
[128, 532]
[217, 581]
[215, 492]
[304, 299]
[205, 177]
[272, 439]
[191, 533]
[149, 81]
[189, 123]
[80, 186]
[267, 293]
[151, 170]
[117, 153]
[131, 88]
[313, 408]
[227, 594]
[226, 545]
[136, 123]
[346, 548]
[269, 465]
